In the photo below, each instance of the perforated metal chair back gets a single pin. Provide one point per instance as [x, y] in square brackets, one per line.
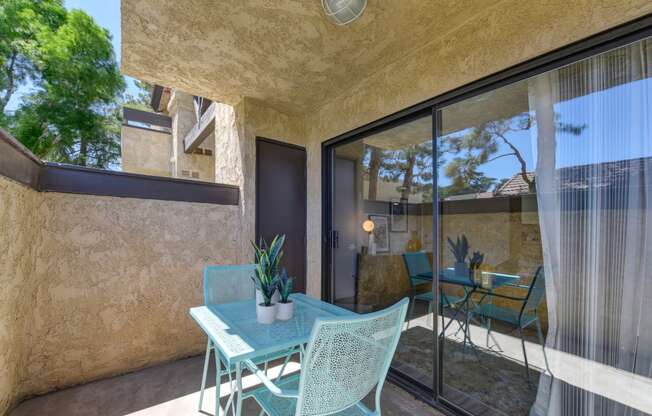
[346, 358]
[224, 284]
[417, 263]
[537, 290]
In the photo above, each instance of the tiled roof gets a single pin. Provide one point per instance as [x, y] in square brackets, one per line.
[515, 185]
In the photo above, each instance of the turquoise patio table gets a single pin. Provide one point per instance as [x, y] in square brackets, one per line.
[496, 280]
[238, 337]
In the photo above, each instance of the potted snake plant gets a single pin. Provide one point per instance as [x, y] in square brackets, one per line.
[285, 307]
[266, 278]
[460, 249]
[270, 256]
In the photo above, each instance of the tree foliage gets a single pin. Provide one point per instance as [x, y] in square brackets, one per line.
[411, 166]
[21, 23]
[479, 145]
[72, 116]
[141, 100]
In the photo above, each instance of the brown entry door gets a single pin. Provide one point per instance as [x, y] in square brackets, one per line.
[281, 202]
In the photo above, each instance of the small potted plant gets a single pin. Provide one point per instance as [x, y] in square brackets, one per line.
[269, 256]
[475, 262]
[285, 307]
[460, 249]
[266, 285]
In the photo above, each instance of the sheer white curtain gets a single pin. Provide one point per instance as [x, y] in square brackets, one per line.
[593, 141]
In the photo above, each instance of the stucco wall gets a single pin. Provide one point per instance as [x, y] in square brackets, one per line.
[182, 110]
[95, 286]
[504, 35]
[19, 227]
[236, 129]
[145, 151]
[114, 280]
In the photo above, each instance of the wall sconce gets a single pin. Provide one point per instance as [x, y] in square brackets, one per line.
[368, 227]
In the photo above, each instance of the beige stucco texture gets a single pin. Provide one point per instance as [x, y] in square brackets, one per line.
[323, 80]
[144, 151]
[18, 237]
[97, 286]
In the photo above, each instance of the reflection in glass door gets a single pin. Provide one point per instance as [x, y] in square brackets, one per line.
[542, 254]
[381, 225]
[545, 232]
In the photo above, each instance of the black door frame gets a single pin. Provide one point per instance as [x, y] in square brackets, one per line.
[613, 38]
[305, 189]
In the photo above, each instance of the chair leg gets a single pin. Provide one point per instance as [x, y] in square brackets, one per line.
[410, 312]
[543, 345]
[527, 368]
[203, 378]
[443, 323]
[488, 331]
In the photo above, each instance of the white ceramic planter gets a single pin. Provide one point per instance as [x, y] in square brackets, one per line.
[284, 311]
[259, 297]
[265, 314]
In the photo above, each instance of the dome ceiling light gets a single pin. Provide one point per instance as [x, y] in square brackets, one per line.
[343, 12]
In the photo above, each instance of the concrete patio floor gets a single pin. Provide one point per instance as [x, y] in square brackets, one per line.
[173, 389]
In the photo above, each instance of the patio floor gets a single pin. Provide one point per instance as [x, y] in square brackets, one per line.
[488, 381]
[173, 389]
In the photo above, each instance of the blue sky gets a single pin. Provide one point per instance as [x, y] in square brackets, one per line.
[107, 14]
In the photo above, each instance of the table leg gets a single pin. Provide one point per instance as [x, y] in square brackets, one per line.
[218, 381]
[457, 310]
[238, 378]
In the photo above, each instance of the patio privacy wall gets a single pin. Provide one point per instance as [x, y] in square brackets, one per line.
[18, 234]
[95, 286]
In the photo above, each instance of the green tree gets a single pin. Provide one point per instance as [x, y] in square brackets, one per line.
[479, 146]
[73, 116]
[21, 24]
[142, 98]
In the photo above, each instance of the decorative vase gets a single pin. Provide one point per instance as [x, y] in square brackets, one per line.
[461, 269]
[265, 314]
[414, 244]
[477, 276]
[259, 297]
[285, 311]
[487, 281]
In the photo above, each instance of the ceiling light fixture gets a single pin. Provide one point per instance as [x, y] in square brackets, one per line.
[343, 12]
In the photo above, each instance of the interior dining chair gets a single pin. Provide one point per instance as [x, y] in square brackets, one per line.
[345, 359]
[525, 316]
[223, 284]
[418, 264]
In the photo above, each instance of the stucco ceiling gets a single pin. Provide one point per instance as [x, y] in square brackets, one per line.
[284, 52]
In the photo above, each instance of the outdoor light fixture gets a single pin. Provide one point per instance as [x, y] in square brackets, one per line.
[368, 226]
[343, 12]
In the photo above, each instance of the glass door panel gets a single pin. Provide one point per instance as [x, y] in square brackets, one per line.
[545, 232]
[381, 213]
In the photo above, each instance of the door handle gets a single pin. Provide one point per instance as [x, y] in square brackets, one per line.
[336, 239]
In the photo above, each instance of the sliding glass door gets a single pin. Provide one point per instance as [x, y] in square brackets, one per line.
[530, 284]
[545, 188]
[381, 211]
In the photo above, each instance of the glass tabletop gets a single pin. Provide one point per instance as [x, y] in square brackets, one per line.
[493, 279]
[235, 331]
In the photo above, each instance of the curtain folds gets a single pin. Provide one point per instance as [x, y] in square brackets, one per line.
[593, 144]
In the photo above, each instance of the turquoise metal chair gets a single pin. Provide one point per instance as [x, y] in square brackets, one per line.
[418, 266]
[522, 318]
[223, 284]
[345, 359]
